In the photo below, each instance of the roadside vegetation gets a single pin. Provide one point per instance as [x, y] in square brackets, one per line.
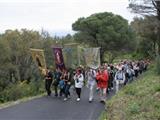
[139, 100]
[19, 75]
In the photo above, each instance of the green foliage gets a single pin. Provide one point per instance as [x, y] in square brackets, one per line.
[20, 90]
[16, 64]
[136, 55]
[146, 32]
[19, 75]
[106, 30]
[137, 101]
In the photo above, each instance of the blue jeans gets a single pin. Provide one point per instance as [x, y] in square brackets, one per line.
[66, 90]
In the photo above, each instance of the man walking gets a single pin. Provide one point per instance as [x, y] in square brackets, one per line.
[57, 76]
[91, 77]
[119, 78]
[48, 81]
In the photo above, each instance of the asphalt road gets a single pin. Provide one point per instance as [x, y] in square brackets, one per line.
[52, 108]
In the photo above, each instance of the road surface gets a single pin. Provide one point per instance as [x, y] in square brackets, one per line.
[54, 108]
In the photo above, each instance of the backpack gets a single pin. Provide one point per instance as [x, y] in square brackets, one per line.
[120, 76]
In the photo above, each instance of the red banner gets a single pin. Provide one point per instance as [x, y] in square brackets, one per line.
[59, 62]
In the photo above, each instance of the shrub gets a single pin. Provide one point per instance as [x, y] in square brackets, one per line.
[20, 90]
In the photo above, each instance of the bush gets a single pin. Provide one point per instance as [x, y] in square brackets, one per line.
[20, 90]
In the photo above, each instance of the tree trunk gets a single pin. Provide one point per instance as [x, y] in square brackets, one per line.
[112, 56]
[101, 55]
[158, 46]
[158, 8]
[158, 39]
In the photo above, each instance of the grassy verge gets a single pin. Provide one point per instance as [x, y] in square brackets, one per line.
[137, 101]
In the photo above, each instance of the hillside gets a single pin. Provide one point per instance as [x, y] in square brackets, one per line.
[137, 101]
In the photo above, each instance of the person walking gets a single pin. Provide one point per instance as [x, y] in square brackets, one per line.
[111, 77]
[48, 81]
[119, 78]
[57, 76]
[102, 78]
[79, 79]
[91, 81]
[66, 76]
[61, 86]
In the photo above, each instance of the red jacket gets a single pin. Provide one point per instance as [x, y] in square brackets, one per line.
[102, 79]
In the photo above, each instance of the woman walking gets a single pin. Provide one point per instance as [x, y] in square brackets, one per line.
[78, 78]
[67, 84]
[102, 78]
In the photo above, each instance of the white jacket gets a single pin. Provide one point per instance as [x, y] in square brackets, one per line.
[78, 80]
[120, 76]
[91, 77]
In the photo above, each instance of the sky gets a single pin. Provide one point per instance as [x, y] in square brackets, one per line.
[55, 16]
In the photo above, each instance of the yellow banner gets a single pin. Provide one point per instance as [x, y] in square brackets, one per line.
[39, 58]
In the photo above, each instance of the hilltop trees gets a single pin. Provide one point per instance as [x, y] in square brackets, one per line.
[106, 30]
[148, 8]
[16, 45]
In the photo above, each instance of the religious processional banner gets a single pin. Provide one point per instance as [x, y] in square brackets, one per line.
[70, 55]
[92, 57]
[39, 58]
[58, 57]
[81, 56]
[75, 56]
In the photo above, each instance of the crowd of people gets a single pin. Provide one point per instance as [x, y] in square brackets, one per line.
[103, 79]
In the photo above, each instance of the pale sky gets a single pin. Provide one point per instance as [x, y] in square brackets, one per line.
[55, 16]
